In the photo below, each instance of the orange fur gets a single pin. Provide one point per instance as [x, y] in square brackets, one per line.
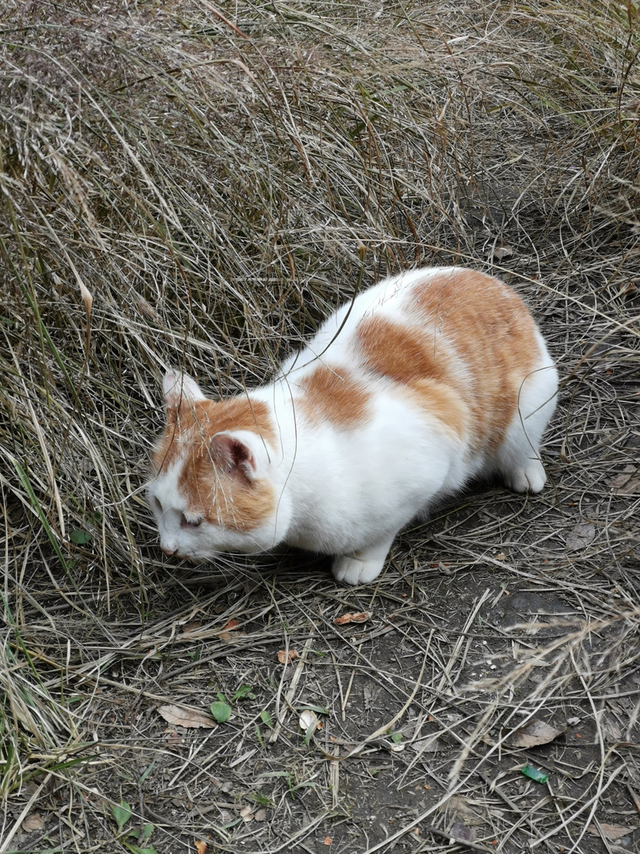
[206, 418]
[404, 354]
[461, 356]
[491, 329]
[332, 394]
[223, 498]
[227, 499]
[399, 352]
[441, 400]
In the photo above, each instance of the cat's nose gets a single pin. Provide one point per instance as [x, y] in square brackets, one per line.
[169, 552]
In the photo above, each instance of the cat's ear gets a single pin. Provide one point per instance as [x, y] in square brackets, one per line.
[235, 455]
[179, 388]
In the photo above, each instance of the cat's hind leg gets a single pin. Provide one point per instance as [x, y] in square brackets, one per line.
[518, 458]
[363, 565]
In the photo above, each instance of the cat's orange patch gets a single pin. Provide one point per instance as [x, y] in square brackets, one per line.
[224, 498]
[466, 347]
[206, 418]
[407, 356]
[443, 401]
[490, 328]
[332, 394]
[399, 352]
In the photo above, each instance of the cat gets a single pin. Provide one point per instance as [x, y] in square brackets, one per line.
[424, 381]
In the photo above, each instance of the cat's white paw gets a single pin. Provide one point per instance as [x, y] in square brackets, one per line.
[356, 570]
[530, 478]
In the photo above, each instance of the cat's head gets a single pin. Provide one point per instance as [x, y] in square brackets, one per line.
[211, 489]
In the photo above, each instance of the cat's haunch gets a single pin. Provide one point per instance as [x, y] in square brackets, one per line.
[424, 381]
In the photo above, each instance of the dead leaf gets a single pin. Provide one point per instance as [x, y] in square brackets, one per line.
[246, 813]
[581, 536]
[32, 822]
[260, 815]
[534, 733]
[631, 487]
[627, 482]
[627, 287]
[285, 657]
[232, 626]
[189, 718]
[201, 847]
[502, 252]
[618, 482]
[461, 810]
[611, 730]
[461, 832]
[327, 840]
[434, 745]
[193, 626]
[345, 619]
[611, 832]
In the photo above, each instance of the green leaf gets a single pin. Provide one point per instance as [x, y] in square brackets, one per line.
[396, 737]
[321, 710]
[310, 731]
[146, 773]
[266, 718]
[242, 692]
[80, 537]
[220, 711]
[147, 830]
[261, 799]
[122, 813]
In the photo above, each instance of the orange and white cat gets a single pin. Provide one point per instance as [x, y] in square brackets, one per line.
[424, 381]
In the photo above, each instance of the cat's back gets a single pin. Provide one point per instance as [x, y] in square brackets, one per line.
[454, 344]
[452, 309]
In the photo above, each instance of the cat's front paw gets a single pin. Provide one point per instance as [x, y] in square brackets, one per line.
[356, 570]
[530, 478]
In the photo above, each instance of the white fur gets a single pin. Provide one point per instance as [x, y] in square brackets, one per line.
[348, 492]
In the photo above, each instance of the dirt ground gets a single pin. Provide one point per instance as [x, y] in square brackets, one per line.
[428, 711]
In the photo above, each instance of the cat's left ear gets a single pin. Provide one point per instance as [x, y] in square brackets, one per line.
[180, 388]
[235, 455]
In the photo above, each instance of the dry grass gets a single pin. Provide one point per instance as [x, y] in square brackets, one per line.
[198, 184]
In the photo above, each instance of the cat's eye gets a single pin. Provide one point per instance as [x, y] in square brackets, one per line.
[186, 523]
[157, 505]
